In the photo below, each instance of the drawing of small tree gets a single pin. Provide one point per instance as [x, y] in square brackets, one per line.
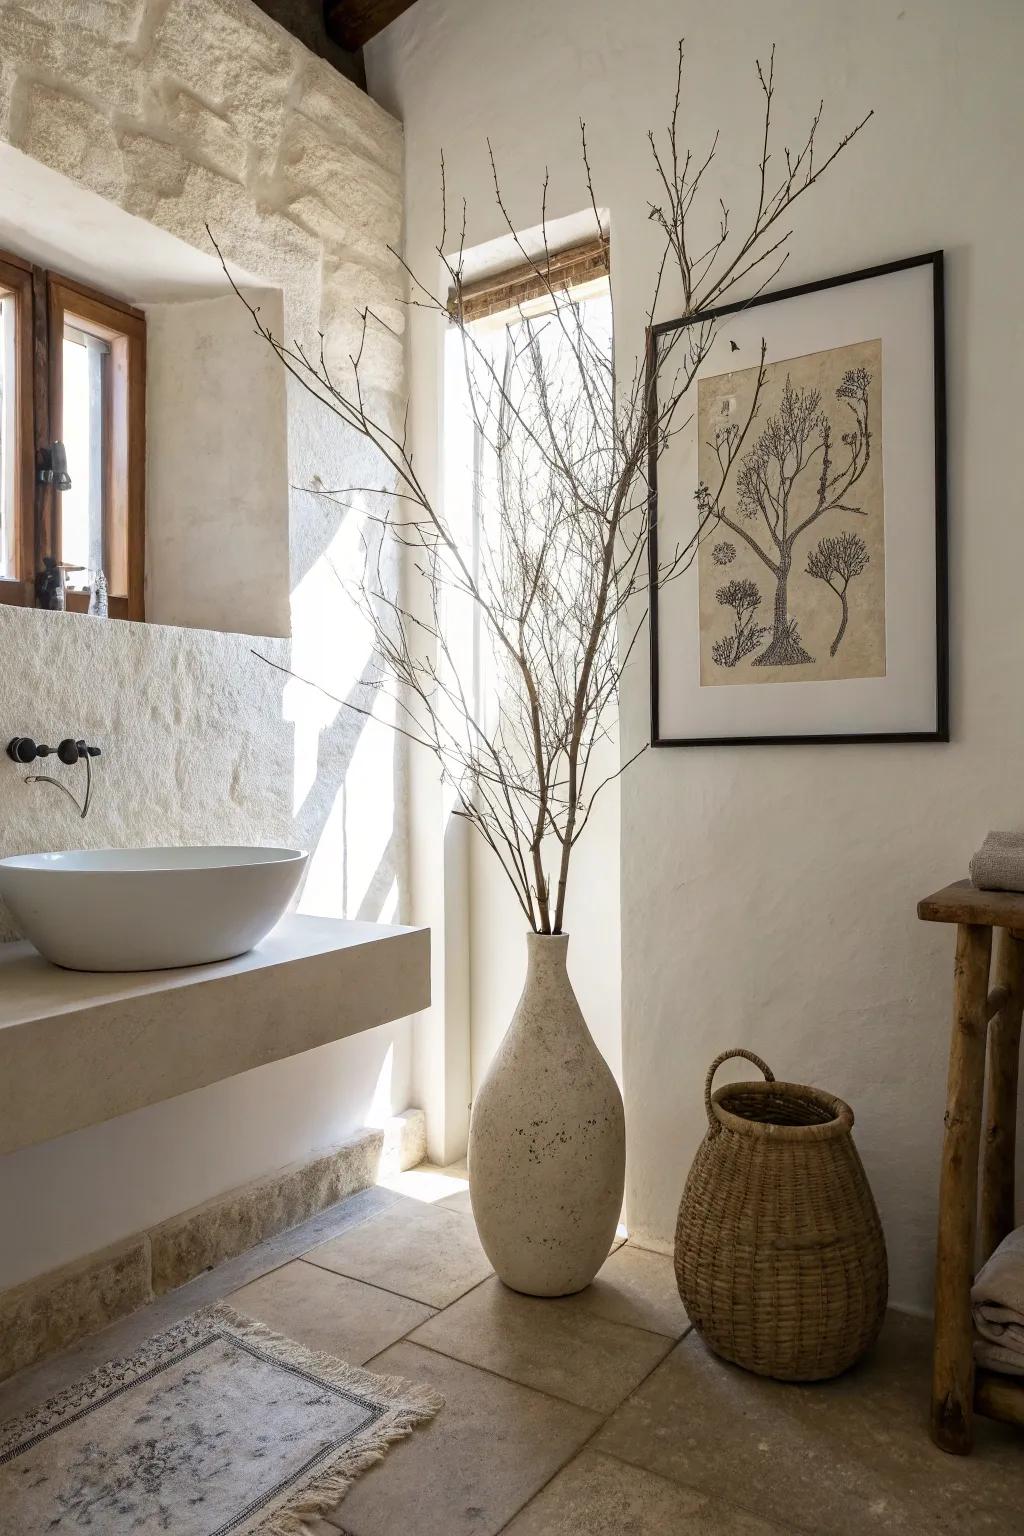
[795, 447]
[836, 561]
[744, 599]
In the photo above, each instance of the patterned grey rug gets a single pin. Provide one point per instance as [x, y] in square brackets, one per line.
[217, 1427]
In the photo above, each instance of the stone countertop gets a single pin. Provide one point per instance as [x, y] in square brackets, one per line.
[77, 1047]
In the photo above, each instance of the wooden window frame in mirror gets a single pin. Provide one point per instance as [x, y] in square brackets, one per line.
[16, 278]
[43, 300]
[124, 438]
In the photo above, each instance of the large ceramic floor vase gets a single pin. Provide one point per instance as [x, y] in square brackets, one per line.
[547, 1142]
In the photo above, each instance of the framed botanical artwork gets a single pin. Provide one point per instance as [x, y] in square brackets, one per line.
[802, 505]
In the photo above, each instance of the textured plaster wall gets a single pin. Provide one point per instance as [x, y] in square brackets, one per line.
[217, 478]
[179, 112]
[768, 894]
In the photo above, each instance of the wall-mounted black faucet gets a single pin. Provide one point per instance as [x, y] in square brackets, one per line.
[22, 749]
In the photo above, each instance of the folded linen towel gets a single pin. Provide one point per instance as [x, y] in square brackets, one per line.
[994, 1358]
[998, 864]
[997, 1302]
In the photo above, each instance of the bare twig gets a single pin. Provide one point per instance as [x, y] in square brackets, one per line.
[558, 576]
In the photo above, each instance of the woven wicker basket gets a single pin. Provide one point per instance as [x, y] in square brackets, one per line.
[779, 1254]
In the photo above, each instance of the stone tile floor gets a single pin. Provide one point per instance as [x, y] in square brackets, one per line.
[594, 1415]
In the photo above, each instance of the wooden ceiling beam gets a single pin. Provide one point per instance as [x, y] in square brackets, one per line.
[305, 20]
[351, 23]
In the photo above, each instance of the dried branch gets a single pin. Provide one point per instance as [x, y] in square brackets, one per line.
[559, 559]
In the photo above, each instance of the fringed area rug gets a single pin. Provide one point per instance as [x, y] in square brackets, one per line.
[217, 1427]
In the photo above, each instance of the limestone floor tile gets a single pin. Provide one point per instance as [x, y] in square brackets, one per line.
[329, 1312]
[638, 1287]
[458, 1202]
[545, 1344]
[456, 1197]
[427, 1182]
[598, 1495]
[420, 1251]
[468, 1471]
[839, 1458]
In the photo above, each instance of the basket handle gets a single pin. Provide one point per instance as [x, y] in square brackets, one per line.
[769, 1075]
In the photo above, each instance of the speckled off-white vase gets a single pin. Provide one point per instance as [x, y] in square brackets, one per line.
[547, 1139]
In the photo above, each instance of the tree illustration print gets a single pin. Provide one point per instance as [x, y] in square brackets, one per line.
[744, 599]
[836, 561]
[811, 470]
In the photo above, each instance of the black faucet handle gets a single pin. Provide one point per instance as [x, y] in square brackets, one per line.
[71, 751]
[22, 749]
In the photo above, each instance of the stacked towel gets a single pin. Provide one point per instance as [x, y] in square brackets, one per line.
[998, 864]
[997, 1301]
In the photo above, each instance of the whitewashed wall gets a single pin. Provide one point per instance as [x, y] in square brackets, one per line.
[175, 113]
[217, 474]
[768, 894]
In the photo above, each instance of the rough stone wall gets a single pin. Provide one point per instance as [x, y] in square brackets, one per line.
[194, 747]
[188, 112]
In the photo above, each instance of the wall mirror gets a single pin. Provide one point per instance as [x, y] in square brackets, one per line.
[143, 431]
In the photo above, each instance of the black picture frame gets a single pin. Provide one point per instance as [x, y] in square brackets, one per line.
[934, 259]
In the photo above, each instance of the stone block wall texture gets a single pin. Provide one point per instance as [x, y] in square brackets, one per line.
[186, 113]
[196, 112]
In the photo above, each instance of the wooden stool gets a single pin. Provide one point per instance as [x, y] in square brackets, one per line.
[992, 1019]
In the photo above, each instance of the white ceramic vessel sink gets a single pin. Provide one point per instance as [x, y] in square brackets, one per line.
[148, 909]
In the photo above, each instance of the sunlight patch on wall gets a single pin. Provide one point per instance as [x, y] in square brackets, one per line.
[354, 842]
[389, 911]
[381, 1106]
[370, 782]
[328, 629]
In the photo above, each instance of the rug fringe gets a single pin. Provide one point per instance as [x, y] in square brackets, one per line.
[326, 1492]
[407, 1404]
[384, 1389]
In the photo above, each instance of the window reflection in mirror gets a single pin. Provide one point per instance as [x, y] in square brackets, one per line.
[97, 383]
[8, 437]
[86, 428]
[72, 390]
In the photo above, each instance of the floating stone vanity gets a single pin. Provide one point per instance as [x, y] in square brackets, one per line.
[78, 1048]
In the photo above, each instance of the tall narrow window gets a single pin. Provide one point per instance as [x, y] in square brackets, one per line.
[16, 441]
[86, 360]
[8, 436]
[97, 395]
[504, 315]
[514, 383]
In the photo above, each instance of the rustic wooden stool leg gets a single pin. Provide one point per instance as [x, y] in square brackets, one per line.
[953, 1358]
[1000, 1132]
